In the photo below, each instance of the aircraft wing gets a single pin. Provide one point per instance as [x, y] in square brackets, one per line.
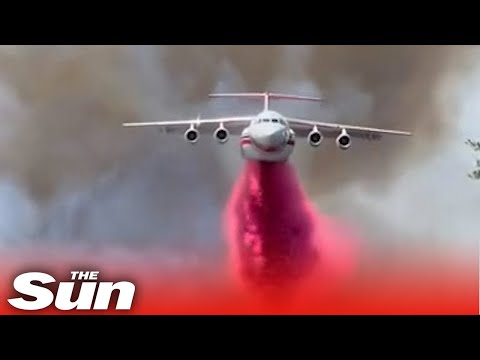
[303, 127]
[234, 124]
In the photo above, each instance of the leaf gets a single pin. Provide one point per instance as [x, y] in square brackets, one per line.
[475, 175]
[473, 144]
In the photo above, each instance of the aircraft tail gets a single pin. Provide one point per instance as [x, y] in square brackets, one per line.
[265, 96]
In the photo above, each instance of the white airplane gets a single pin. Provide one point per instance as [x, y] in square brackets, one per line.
[269, 136]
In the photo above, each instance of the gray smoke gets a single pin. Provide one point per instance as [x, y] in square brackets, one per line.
[72, 172]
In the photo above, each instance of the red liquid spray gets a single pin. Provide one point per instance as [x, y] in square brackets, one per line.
[277, 239]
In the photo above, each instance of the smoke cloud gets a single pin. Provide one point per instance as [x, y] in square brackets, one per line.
[62, 144]
[399, 87]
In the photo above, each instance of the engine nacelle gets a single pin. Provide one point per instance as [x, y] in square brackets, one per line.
[315, 137]
[221, 134]
[192, 135]
[343, 140]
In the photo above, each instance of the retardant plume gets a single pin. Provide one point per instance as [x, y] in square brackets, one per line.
[277, 239]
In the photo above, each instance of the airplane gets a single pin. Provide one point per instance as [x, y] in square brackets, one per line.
[269, 136]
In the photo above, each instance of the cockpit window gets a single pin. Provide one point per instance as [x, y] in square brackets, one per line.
[274, 120]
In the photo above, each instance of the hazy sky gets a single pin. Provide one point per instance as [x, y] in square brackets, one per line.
[431, 203]
[435, 203]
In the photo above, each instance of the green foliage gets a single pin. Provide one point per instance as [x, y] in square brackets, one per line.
[475, 145]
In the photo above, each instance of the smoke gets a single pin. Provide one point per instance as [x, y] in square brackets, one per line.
[86, 177]
[71, 103]
[64, 148]
[409, 88]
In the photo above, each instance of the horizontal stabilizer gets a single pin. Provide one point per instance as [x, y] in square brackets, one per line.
[266, 96]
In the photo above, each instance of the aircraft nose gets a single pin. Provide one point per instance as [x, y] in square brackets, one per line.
[270, 136]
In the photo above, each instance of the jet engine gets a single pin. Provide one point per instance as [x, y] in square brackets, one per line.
[192, 135]
[221, 134]
[315, 137]
[343, 140]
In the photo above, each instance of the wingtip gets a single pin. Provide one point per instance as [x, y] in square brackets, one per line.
[402, 133]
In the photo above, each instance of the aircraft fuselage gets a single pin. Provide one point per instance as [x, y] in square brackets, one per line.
[267, 138]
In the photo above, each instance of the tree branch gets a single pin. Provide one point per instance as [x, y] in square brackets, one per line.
[475, 145]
